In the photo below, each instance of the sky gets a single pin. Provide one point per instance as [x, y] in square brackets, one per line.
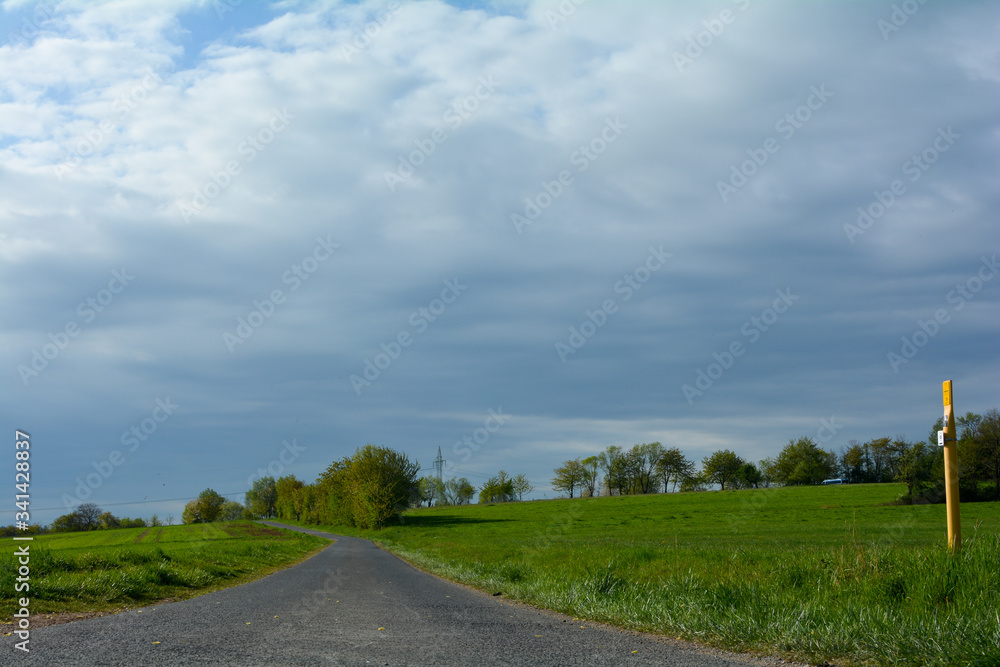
[243, 238]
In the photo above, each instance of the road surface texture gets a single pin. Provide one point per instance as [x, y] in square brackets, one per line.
[351, 604]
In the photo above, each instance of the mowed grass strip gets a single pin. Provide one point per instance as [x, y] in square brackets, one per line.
[813, 573]
[101, 570]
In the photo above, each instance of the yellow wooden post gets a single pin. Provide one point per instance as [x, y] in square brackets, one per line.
[951, 471]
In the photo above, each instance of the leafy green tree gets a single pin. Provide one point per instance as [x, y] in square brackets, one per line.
[803, 462]
[569, 476]
[881, 456]
[310, 501]
[914, 467]
[210, 505]
[748, 477]
[382, 482]
[591, 464]
[989, 448]
[205, 508]
[721, 467]
[14, 531]
[334, 504]
[231, 511]
[766, 468]
[641, 467]
[432, 491]
[852, 463]
[461, 491]
[979, 448]
[192, 513]
[612, 462]
[67, 523]
[696, 481]
[85, 517]
[970, 468]
[521, 485]
[109, 521]
[261, 498]
[498, 489]
[287, 497]
[457, 491]
[672, 467]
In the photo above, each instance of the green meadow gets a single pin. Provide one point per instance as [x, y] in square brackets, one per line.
[814, 573]
[108, 569]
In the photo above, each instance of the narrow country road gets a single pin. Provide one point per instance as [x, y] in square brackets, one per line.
[351, 604]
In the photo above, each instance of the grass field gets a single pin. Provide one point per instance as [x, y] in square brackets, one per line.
[815, 573]
[108, 569]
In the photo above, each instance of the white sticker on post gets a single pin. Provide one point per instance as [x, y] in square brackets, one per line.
[940, 438]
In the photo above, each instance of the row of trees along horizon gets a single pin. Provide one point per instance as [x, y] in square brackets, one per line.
[653, 468]
[377, 484]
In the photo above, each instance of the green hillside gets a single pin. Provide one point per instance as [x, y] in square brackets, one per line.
[820, 573]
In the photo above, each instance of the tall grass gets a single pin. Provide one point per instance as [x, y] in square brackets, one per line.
[869, 604]
[84, 571]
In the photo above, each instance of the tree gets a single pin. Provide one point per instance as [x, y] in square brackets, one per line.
[498, 489]
[803, 462]
[915, 464]
[191, 514]
[672, 467]
[612, 462]
[334, 503]
[852, 463]
[969, 425]
[748, 477]
[109, 521]
[988, 448]
[205, 508]
[569, 476]
[590, 467]
[641, 466]
[694, 482]
[154, 521]
[458, 491]
[432, 491]
[89, 515]
[766, 468]
[14, 531]
[66, 523]
[721, 467]
[381, 484]
[231, 511]
[521, 486]
[286, 497]
[261, 497]
[970, 459]
[881, 454]
[429, 491]
[210, 505]
[466, 492]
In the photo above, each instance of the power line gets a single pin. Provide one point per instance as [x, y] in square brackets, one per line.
[134, 502]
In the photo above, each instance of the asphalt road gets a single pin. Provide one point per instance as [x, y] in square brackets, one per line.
[351, 604]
